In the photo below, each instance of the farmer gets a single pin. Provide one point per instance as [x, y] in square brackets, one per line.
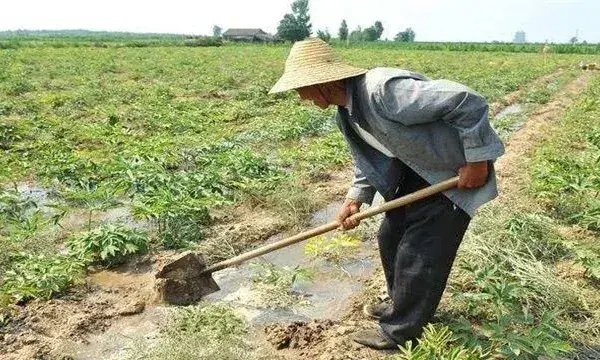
[405, 132]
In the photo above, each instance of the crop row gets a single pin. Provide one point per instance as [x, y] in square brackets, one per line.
[170, 134]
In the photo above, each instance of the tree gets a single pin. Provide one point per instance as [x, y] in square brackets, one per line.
[356, 35]
[217, 31]
[574, 40]
[407, 35]
[324, 35]
[379, 28]
[372, 33]
[343, 33]
[295, 26]
[369, 34]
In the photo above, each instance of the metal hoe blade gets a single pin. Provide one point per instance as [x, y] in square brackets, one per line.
[181, 282]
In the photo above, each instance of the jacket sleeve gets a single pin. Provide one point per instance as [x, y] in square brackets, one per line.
[411, 102]
[361, 189]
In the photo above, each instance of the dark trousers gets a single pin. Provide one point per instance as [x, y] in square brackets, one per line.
[417, 244]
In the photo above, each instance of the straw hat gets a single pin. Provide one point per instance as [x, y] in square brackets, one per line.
[311, 62]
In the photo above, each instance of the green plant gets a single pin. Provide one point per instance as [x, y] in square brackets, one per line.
[438, 343]
[203, 332]
[273, 284]
[336, 249]
[179, 220]
[536, 233]
[19, 87]
[267, 273]
[39, 276]
[94, 198]
[539, 95]
[515, 335]
[108, 244]
[216, 321]
[590, 260]
[13, 207]
[9, 134]
[589, 217]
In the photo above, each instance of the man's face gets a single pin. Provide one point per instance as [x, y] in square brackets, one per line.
[314, 94]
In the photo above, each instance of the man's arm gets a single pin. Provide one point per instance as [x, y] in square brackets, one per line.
[361, 192]
[361, 189]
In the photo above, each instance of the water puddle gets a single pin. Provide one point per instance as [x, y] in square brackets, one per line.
[109, 279]
[327, 295]
[122, 215]
[76, 218]
[38, 194]
[510, 110]
[510, 120]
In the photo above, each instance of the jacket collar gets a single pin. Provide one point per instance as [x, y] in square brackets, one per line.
[350, 96]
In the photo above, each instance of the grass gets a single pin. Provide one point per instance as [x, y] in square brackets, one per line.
[273, 285]
[204, 332]
[509, 297]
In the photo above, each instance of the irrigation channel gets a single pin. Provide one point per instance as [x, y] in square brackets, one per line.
[326, 296]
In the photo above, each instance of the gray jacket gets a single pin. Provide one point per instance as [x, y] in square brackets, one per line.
[432, 126]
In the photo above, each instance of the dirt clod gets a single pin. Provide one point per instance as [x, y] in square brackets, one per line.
[181, 281]
[135, 307]
[297, 335]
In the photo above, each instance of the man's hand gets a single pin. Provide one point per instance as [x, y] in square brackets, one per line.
[473, 175]
[349, 207]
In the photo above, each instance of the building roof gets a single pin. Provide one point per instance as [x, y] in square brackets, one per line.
[243, 32]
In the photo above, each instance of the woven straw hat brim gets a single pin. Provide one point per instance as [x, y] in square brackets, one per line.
[315, 74]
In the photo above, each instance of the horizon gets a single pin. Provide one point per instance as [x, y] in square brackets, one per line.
[555, 21]
[312, 35]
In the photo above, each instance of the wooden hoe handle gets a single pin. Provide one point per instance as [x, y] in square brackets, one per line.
[390, 205]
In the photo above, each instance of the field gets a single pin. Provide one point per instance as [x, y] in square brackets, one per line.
[114, 159]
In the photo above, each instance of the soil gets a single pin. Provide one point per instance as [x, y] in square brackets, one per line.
[522, 144]
[40, 329]
[297, 335]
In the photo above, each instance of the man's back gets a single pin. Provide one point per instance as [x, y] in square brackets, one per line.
[433, 126]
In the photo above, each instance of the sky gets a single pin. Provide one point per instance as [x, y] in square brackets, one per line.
[432, 20]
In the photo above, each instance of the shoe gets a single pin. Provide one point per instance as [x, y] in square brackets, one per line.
[374, 311]
[374, 339]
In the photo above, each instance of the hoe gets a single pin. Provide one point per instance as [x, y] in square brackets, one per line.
[187, 279]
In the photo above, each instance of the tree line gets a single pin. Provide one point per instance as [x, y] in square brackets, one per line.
[296, 26]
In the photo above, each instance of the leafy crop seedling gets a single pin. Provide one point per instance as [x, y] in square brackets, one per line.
[39, 276]
[337, 249]
[274, 285]
[108, 245]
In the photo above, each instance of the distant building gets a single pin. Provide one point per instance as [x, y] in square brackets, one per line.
[520, 37]
[251, 35]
